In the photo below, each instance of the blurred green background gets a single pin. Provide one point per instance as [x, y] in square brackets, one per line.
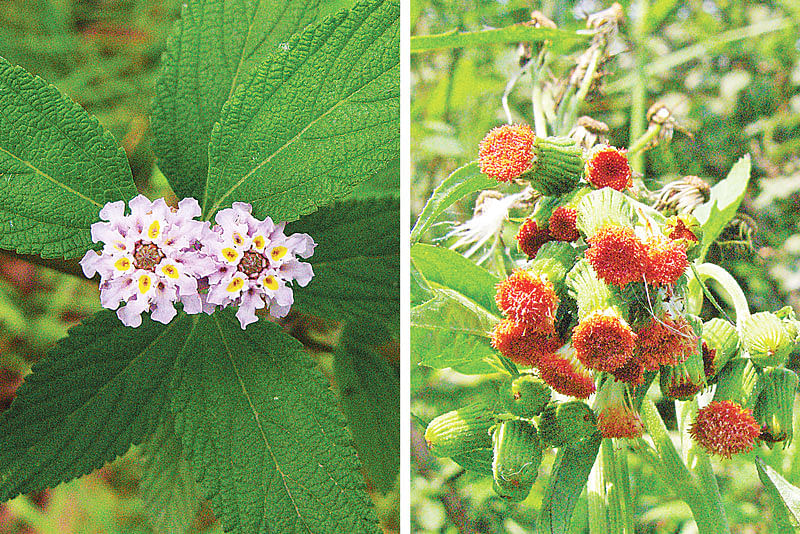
[105, 55]
[730, 73]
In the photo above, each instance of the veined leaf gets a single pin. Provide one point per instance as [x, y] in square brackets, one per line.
[58, 167]
[370, 391]
[101, 389]
[314, 121]
[460, 183]
[263, 432]
[384, 183]
[356, 262]
[214, 46]
[784, 496]
[517, 33]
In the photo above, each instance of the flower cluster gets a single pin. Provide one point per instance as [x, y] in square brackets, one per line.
[157, 256]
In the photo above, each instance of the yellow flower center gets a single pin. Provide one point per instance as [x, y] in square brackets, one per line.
[278, 252]
[235, 285]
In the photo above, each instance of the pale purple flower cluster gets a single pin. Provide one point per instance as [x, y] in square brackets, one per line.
[157, 256]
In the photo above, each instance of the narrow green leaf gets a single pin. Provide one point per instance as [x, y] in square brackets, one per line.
[356, 262]
[314, 121]
[262, 430]
[168, 488]
[460, 183]
[517, 33]
[101, 389]
[214, 46]
[567, 480]
[450, 330]
[444, 268]
[784, 496]
[370, 391]
[726, 196]
[58, 167]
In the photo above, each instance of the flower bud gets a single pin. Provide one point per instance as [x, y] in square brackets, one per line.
[774, 408]
[686, 229]
[477, 460]
[738, 382]
[531, 235]
[766, 339]
[557, 167]
[722, 343]
[605, 207]
[460, 431]
[517, 455]
[563, 423]
[530, 394]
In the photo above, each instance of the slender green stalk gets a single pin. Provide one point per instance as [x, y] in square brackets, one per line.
[596, 498]
[730, 285]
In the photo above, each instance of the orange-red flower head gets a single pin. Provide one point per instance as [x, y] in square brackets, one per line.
[531, 237]
[617, 255]
[725, 428]
[506, 152]
[528, 300]
[563, 224]
[666, 261]
[603, 341]
[522, 345]
[609, 167]
[565, 374]
[664, 342]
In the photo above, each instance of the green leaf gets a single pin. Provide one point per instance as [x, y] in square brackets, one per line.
[370, 391]
[101, 389]
[356, 262]
[58, 167]
[168, 488]
[451, 330]
[315, 121]
[214, 46]
[568, 478]
[261, 428]
[460, 183]
[561, 39]
[784, 496]
[442, 267]
[385, 182]
[726, 196]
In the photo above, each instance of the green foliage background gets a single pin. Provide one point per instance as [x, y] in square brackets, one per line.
[730, 72]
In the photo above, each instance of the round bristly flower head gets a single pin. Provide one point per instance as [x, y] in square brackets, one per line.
[616, 417]
[664, 341]
[149, 259]
[531, 237]
[565, 374]
[562, 224]
[522, 345]
[617, 255]
[603, 340]
[666, 261]
[506, 152]
[725, 428]
[528, 300]
[607, 166]
[254, 262]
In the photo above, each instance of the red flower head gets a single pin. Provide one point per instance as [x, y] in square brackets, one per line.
[664, 342]
[725, 428]
[528, 300]
[521, 345]
[506, 152]
[565, 374]
[632, 373]
[617, 255]
[609, 167]
[616, 417]
[562, 224]
[603, 341]
[666, 261]
[531, 236]
[708, 360]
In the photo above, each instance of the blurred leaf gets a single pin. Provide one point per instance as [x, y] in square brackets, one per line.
[785, 497]
[560, 39]
[568, 478]
[462, 182]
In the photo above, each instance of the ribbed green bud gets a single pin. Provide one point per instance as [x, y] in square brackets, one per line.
[603, 207]
[529, 395]
[554, 259]
[774, 408]
[478, 460]
[566, 422]
[721, 337]
[517, 455]
[557, 165]
[738, 382]
[766, 338]
[684, 380]
[460, 431]
[592, 294]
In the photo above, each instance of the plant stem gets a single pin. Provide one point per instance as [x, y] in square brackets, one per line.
[596, 498]
[730, 285]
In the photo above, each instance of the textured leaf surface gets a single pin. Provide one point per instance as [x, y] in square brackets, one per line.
[567, 480]
[385, 182]
[101, 389]
[314, 121]
[171, 495]
[214, 46]
[262, 430]
[370, 391]
[356, 262]
[784, 496]
[58, 167]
